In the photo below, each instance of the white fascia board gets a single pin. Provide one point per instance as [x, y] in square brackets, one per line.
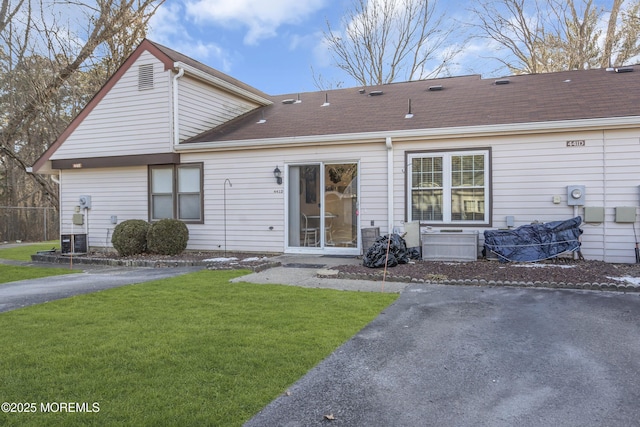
[223, 84]
[418, 134]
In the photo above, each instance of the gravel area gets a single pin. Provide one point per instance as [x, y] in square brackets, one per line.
[560, 272]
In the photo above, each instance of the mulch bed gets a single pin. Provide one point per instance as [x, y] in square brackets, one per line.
[559, 273]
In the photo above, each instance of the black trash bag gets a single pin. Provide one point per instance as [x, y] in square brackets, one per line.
[414, 253]
[376, 255]
[534, 242]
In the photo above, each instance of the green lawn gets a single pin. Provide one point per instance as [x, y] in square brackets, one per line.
[192, 350]
[11, 273]
[23, 253]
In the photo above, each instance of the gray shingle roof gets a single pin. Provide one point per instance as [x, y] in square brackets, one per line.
[463, 101]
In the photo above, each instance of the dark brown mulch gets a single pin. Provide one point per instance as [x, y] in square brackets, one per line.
[559, 271]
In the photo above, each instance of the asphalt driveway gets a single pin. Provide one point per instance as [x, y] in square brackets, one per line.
[473, 356]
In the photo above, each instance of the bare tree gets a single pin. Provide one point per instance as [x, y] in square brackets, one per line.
[625, 38]
[50, 72]
[553, 35]
[381, 41]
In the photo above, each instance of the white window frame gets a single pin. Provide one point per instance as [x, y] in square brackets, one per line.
[447, 186]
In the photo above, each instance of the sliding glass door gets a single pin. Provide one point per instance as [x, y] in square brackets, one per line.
[323, 207]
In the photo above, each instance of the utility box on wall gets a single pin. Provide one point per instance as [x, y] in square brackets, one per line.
[575, 195]
[594, 214]
[77, 219]
[625, 214]
[84, 202]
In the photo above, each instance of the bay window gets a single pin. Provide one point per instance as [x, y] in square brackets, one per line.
[448, 187]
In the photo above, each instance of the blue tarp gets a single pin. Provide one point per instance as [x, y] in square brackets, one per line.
[534, 242]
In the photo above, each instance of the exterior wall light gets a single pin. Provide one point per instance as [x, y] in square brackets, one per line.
[278, 174]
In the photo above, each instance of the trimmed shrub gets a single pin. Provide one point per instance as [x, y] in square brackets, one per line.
[130, 237]
[167, 237]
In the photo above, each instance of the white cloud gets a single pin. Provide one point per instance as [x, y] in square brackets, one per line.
[262, 18]
[321, 52]
[166, 27]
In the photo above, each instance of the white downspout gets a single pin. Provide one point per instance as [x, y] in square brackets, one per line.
[605, 195]
[176, 112]
[389, 145]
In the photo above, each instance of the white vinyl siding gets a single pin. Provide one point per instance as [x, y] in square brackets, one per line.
[127, 121]
[203, 107]
[119, 192]
[255, 203]
[529, 170]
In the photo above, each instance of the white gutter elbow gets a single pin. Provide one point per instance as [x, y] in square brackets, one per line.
[176, 110]
[389, 145]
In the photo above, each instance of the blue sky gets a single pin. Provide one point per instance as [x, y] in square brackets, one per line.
[273, 45]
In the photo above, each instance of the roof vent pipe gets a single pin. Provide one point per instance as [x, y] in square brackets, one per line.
[298, 101]
[326, 100]
[409, 114]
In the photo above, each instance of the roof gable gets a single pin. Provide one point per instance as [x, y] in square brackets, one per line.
[145, 46]
[169, 59]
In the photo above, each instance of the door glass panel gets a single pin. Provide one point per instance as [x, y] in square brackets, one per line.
[304, 206]
[323, 205]
[340, 222]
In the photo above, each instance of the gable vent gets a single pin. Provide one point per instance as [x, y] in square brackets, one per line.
[145, 77]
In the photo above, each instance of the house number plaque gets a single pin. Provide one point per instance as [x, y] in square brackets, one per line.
[576, 143]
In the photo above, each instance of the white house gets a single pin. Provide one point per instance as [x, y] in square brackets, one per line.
[170, 137]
